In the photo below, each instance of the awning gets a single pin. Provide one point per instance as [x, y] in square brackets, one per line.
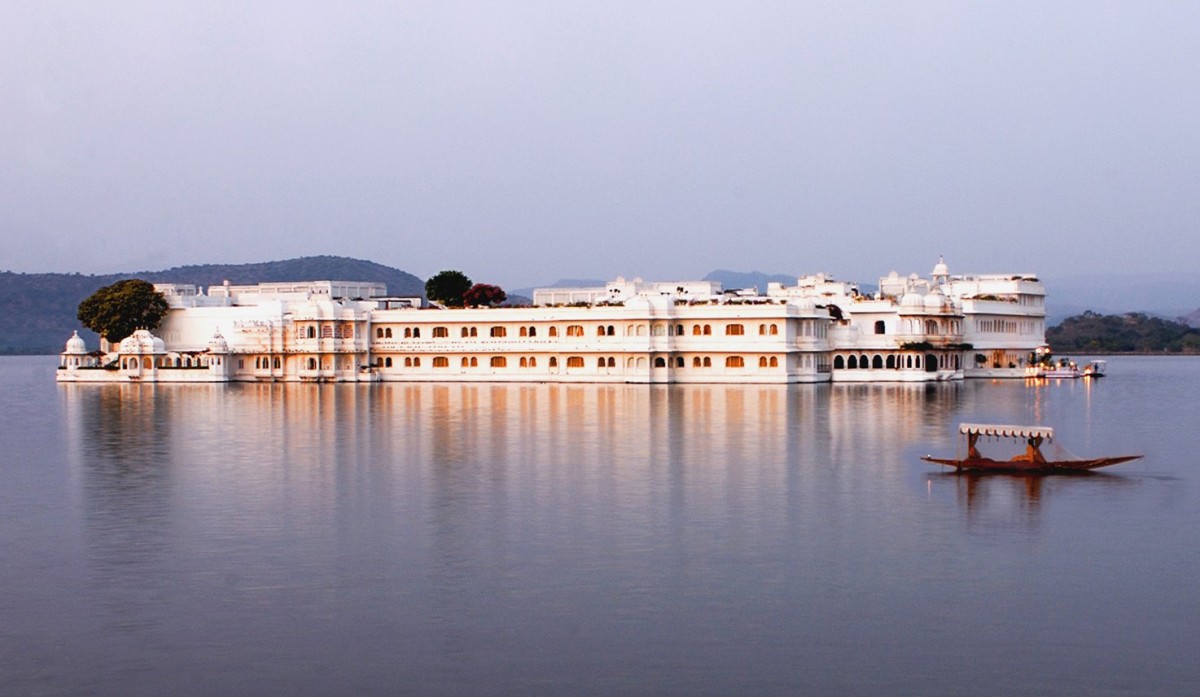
[1003, 431]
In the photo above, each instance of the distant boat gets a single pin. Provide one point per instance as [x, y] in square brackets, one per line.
[1032, 460]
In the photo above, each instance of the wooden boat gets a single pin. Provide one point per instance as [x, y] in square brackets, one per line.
[1032, 460]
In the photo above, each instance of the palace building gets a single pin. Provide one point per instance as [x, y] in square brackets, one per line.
[911, 329]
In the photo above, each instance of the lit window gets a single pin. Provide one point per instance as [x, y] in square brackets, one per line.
[734, 362]
[499, 361]
[734, 330]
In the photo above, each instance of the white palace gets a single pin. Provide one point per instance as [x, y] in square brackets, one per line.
[913, 329]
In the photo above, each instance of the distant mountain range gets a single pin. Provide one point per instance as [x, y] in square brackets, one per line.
[37, 311]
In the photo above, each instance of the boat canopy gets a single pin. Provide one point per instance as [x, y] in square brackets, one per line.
[1003, 431]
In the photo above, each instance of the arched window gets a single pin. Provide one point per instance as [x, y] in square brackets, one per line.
[499, 362]
[678, 330]
[707, 330]
[553, 359]
[465, 362]
[408, 362]
[524, 360]
[877, 362]
[474, 362]
[378, 332]
[312, 363]
[465, 333]
[574, 361]
[909, 361]
[612, 362]
[891, 362]
[408, 332]
[553, 331]
[695, 330]
[533, 361]
[839, 363]
[658, 330]
[387, 333]
[852, 364]
[524, 332]
[441, 362]
[277, 363]
[498, 332]
[600, 362]
[600, 330]
[734, 330]
[416, 332]
[533, 331]
[762, 329]
[312, 332]
[696, 362]
[879, 326]
[679, 361]
[735, 362]
[774, 363]
[707, 362]
[574, 330]
[660, 362]
[762, 361]
[773, 330]
[862, 361]
[440, 332]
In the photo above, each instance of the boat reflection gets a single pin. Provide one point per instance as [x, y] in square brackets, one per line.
[1015, 497]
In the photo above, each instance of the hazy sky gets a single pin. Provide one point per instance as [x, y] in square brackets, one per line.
[523, 142]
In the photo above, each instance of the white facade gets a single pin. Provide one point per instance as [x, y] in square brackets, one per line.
[913, 329]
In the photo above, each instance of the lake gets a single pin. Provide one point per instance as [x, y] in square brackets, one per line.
[593, 539]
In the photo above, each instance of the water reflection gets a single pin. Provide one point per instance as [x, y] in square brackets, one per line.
[1014, 499]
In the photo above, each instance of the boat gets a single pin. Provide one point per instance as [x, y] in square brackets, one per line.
[1030, 461]
[1095, 369]
[1067, 368]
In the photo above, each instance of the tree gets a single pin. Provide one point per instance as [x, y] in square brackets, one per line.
[114, 312]
[447, 287]
[484, 294]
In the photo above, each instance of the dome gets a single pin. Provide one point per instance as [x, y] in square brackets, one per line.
[941, 269]
[805, 303]
[912, 301]
[75, 344]
[934, 300]
[142, 341]
[217, 343]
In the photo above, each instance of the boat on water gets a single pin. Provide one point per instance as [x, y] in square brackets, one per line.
[1032, 460]
[1067, 368]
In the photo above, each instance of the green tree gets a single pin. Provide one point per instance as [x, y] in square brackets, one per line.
[448, 287]
[114, 312]
[484, 294]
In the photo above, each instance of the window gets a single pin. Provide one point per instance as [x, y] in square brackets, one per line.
[416, 332]
[612, 362]
[574, 361]
[839, 363]
[774, 362]
[553, 331]
[695, 330]
[852, 363]
[658, 330]
[524, 361]
[524, 332]
[678, 330]
[773, 330]
[734, 330]
[408, 332]
[762, 329]
[441, 362]
[553, 359]
[660, 362]
[696, 362]
[600, 331]
[440, 332]
[707, 362]
[474, 362]
[387, 362]
[533, 331]
[574, 330]
[762, 361]
[499, 361]
[387, 333]
[600, 363]
[465, 362]
[379, 332]
[408, 362]
[277, 364]
[678, 361]
[610, 331]
[877, 362]
[707, 330]
[499, 332]
[734, 362]
[348, 331]
[532, 361]
[327, 331]
[465, 332]
[891, 361]
[879, 326]
[312, 364]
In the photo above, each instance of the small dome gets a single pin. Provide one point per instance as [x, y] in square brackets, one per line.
[217, 343]
[934, 300]
[75, 344]
[941, 269]
[142, 341]
[805, 303]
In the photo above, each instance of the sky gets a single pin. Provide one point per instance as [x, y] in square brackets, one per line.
[525, 142]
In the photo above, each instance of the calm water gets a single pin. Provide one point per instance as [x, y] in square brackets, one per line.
[553, 539]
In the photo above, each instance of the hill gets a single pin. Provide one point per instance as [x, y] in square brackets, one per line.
[1134, 332]
[37, 311]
